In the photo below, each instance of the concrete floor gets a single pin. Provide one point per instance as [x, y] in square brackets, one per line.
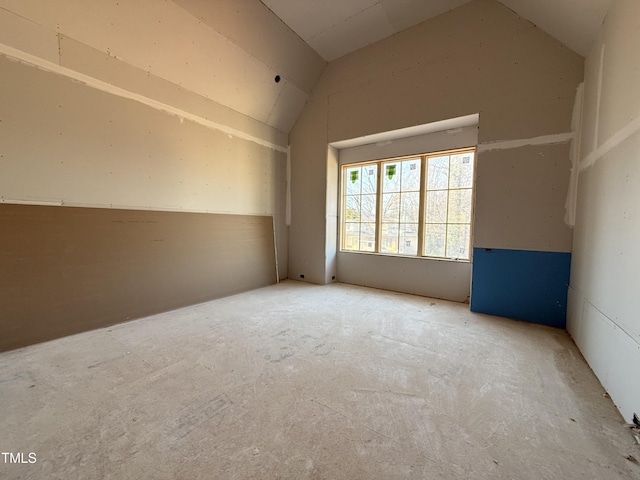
[299, 381]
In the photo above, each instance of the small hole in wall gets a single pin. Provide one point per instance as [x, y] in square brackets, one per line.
[301, 275]
[277, 79]
[333, 277]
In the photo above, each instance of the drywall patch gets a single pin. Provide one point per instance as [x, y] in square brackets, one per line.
[525, 142]
[37, 62]
[521, 284]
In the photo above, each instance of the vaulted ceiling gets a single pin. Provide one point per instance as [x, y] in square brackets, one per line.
[227, 53]
[334, 28]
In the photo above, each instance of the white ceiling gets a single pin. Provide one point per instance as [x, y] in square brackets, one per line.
[574, 22]
[334, 28]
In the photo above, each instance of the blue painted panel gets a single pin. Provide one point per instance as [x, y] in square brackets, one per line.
[521, 284]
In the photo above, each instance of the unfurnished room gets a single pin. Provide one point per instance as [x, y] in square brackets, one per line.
[320, 239]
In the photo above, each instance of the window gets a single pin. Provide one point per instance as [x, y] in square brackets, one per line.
[400, 206]
[360, 207]
[412, 206]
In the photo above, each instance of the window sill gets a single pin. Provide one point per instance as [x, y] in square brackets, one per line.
[393, 255]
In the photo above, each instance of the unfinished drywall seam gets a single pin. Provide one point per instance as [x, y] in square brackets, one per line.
[37, 62]
[287, 214]
[622, 135]
[525, 142]
[612, 142]
[604, 315]
[35, 202]
[239, 45]
[574, 155]
[598, 99]
[62, 203]
[274, 103]
[59, 38]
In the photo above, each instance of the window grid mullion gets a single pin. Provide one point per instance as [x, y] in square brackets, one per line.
[378, 208]
[360, 216]
[399, 205]
[446, 218]
[343, 202]
[421, 206]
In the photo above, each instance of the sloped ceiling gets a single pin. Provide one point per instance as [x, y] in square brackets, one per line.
[227, 51]
[334, 28]
[574, 22]
[230, 51]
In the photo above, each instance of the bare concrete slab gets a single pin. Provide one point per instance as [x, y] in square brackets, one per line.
[300, 381]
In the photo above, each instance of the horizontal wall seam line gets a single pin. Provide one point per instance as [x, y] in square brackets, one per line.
[34, 61]
[525, 142]
[604, 315]
[62, 203]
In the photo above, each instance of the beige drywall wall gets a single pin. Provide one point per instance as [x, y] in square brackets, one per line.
[520, 196]
[85, 122]
[480, 58]
[66, 269]
[333, 202]
[78, 57]
[28, 36]
[437, 278]
[603, 296]
[210, 49]
[307, 230]
[65, 143]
